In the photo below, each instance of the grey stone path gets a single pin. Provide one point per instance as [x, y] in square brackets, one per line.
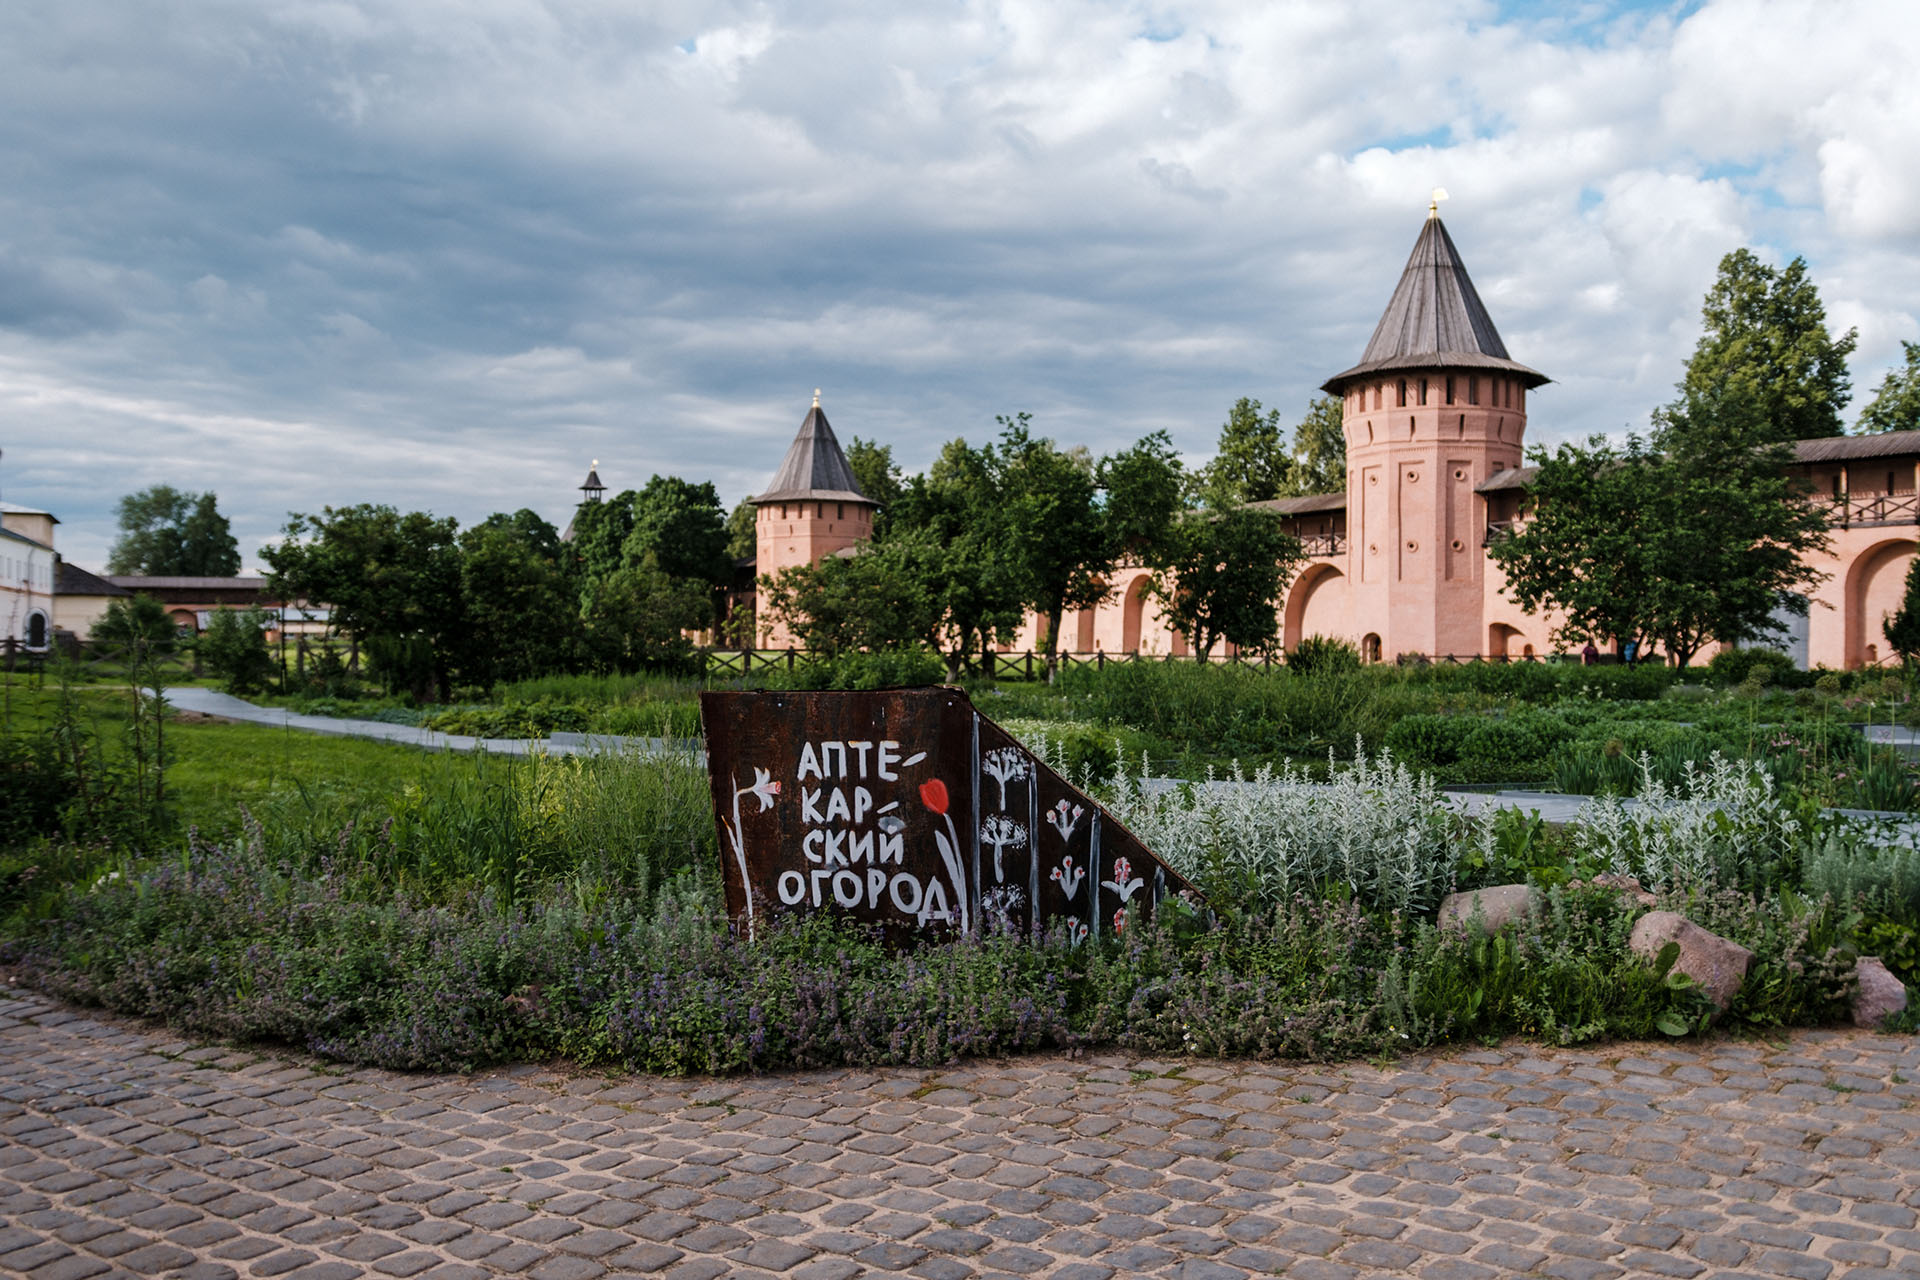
[126, 1151]
[211, 702]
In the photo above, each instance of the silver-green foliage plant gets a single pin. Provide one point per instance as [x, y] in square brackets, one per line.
[1851, 864]
[1722, 824]
[1377, 830]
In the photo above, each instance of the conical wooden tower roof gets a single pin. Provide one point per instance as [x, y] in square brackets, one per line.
[815, 468]
[1435, 319]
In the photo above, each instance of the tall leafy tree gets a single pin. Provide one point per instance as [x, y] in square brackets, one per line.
[1319, 451]
[165, 532]
[1220, 572]
[1766, 345]
[395, 584]
[1141, 487]
[1056, 534]
[680, 528]
[1896, 405]
[888, 595]
[521, 607]
[1697, 535]
[636, 618]
[743, 537]
[957, 506]
[1250, 463]
[600, 531]
[878, 476]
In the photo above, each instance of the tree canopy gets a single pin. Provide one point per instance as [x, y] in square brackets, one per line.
[1219, 574]
[1896, 405]
[1766, 344]
[165, 532]
[393, 581]
[1698, 534]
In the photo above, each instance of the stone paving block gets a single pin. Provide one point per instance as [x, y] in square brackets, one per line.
[1659, 1160]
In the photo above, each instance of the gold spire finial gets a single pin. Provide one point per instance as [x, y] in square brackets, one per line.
[595, 466]
[816, 397]
[1433, 205]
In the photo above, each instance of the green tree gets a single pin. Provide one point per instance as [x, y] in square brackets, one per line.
[600, 531]
[1141, 487]
[888, 595]
[394, 583]
[518, 599]
[878, 477]
[1697, 535]
[1250, 463]
[1319, 451]
[681, 529]
[637, 616]
[1766, 344]
[1056, 534]
[1896, 405]
[165, 532]
[1902, 626]
[956, 506]
[1220, 573]
[743, 535]
[234, 648]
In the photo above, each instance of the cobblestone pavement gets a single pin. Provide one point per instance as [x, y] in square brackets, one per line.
[124, 1150]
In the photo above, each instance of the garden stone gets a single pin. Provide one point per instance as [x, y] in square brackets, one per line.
[1880, 994]
[1719, 966]
[1499, 906]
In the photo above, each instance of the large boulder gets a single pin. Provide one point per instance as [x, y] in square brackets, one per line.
[1881, 995]
[1499, 906]
[1719, 966]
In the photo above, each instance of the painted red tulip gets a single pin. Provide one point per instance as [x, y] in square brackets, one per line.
[933, 794]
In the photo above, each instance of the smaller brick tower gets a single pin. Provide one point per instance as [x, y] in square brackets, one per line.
[1435, 407]
[813, 508]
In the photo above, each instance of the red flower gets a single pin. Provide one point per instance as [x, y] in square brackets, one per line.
[933, 794]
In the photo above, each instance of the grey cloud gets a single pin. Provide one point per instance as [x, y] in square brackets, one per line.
[440, 255]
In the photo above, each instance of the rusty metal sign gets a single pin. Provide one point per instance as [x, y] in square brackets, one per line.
[911, 810]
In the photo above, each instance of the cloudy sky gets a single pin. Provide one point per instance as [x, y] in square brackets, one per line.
[444, 254]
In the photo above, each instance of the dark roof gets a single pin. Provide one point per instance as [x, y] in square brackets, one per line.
[71, 580]
[593, 479]
[1435, 319]
[1304, 505]
[1511, 478]
[134, 582]
[1882, 444]
[815, 467]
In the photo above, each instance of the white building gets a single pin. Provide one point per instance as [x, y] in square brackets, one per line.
[26, 576]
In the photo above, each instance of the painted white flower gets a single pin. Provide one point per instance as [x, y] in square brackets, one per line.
[765, 787]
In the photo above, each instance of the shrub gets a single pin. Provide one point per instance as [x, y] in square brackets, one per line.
[1376, 832]
[882, 669]
[1849, 864]
[1319, 655]
[1733, 666]
[1722, 826]
[234, 648]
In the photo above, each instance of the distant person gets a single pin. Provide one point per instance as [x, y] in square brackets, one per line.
[1589, 655]
[1626, 653]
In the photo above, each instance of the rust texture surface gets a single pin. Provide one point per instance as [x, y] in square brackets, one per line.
[911, 810]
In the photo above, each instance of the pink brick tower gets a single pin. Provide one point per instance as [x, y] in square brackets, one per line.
[1433, 409]
[812, 508]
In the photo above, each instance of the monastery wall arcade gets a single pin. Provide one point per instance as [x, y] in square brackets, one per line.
[1435, 416]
